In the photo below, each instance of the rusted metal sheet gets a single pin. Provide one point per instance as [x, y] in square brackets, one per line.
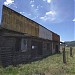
[55, 45]
[44, 33]
[55, 37]
[17, 22]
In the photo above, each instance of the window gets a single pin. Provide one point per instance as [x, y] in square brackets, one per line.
[24, 45]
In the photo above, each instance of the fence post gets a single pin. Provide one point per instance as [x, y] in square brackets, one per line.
[71, 55]
[64, 55]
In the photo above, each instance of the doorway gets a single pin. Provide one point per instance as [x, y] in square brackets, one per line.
[57, 48]
[40, 51]
[36, 49]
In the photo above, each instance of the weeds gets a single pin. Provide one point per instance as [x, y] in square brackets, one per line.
[52, 65]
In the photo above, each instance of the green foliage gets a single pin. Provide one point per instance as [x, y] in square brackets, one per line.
[52, 65]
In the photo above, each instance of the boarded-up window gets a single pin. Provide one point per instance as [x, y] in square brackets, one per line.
[24, 45]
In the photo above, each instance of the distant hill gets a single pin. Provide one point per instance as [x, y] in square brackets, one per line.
[69, 43]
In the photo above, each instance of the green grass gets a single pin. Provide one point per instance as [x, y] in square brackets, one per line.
[52, 65]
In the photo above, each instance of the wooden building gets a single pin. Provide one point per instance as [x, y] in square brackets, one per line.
[23, 40]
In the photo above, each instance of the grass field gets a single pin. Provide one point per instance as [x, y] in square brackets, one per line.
[52, 65]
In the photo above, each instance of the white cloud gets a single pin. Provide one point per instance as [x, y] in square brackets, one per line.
[8, 2]
[49, 1]
[32, 1]
[32, 5]
[53, 13]
[43, 18]
[51, 16]
[22, 13]
[73, 20]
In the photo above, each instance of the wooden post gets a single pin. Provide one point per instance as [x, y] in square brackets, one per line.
[64, 55]
[71, 55]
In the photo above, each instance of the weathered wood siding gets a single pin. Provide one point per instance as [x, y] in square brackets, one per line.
[47, 48]
[13, 50]
[17, 22]
[7, 47]
[55, 37]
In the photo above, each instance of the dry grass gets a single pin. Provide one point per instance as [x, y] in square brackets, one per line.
[52, 65]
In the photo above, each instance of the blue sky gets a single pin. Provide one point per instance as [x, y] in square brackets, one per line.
[56, 15]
